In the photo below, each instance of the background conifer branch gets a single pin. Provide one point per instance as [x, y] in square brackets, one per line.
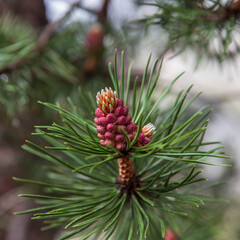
[41, 42]
[84, 191]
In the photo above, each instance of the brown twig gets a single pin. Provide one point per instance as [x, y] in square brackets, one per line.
[49, 31]
[232, 10]
[102, 14]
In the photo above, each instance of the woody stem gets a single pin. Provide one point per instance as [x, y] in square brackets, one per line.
[125, 170]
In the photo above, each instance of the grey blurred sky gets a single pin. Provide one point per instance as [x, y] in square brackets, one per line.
[212, 79]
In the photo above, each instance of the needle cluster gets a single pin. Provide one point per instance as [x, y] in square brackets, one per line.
[93, 189]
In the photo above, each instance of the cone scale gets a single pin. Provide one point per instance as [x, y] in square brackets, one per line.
[125, 170]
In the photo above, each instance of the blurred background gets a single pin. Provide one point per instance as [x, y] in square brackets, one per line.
[53, 49]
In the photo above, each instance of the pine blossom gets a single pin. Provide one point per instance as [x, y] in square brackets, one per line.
[112, 117]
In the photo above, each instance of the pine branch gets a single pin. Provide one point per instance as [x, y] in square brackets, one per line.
[118, 169]
[208, 27]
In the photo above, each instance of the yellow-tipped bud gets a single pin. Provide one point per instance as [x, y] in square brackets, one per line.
[107, 100]
[148, 130]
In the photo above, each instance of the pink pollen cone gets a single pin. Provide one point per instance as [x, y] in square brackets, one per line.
[103, 121]
[135, 125]
[111, 118]
[119, 138]
[141, 138]
[121, 146]
[146, 141]
[118, 111]
[109, 142]
[96, 120]
[111, 127]
[109, 135]
[101, 136]
[128, 119]
[123, 127]
[125, 111]
[130, 128]
[99, 113]
[101, 129]
[121, 120]
[131, 137]
[119, 102]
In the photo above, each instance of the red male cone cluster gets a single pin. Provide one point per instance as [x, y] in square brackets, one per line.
[111, 118]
